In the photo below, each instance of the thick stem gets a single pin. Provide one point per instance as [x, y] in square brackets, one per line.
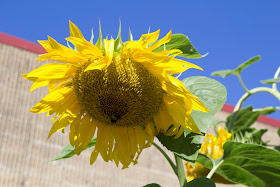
[215, 167]
[167, 158]
[181, 171]
[253, 91]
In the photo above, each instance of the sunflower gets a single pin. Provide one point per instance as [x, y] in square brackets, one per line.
[125, 97]
[213, 148]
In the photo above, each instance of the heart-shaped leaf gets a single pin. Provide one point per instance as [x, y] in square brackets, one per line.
[182, 42]
[213, 95]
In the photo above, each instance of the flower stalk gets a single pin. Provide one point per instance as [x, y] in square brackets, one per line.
[181, 171]
[167, 158]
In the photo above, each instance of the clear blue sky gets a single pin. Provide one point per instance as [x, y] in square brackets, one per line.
[231, 31]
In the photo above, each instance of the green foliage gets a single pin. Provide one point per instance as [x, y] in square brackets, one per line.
[239, 124]
[118, 41]
[244, 118]
[186, 146]
[236, 71]
[68, 151]
[201, 182]
[250, 164]
[213, 95]
[182, 42]
[99, 42]
[270, 81]
[277, 147]
[252, 135]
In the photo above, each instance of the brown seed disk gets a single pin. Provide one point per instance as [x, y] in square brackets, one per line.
[123, 94]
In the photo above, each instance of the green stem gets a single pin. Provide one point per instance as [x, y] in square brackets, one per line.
[274, 87]
[181, 171]
[242, 83]
[273, 92]
[266, 108]
[215, 167]
[167, 158]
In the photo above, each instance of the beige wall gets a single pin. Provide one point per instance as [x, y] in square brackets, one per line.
[24, 148]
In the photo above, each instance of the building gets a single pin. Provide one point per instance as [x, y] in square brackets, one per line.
[25, 150]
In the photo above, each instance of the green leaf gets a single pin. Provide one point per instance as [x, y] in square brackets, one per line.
[118, 45]
[249, 135]
[152, 185]
[270, 81]
[254, 135]
[250, 164]
[223, 73]
[99, 42]
[201, 182]
[210, 92]
[236, 71]
[68, 151]
[244, 118]
[182, 42]
[208, 163]
[213, 95]
[248, 63]
[278, 132]
[186, 146]
[277, 147]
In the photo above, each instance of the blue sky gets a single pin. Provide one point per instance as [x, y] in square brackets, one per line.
[231, 31]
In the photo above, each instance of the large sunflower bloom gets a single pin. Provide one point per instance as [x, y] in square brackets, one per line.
[125, 98]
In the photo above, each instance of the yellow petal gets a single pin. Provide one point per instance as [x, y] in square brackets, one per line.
[180, 132]
[52, 100]
[180, 114]
[59, 52]
[198, 105]
[170, 52]
[36, 85]
[146, 39]
[146, 57]
[61, 85]
[100, 64]
[66, 118]
[86, 48]
[75, 31]
[164, 40]
[84, 132]
[54, 72]
[176, 66]
[72, 136]
[93, 156]
[109, 50]
[164, 119]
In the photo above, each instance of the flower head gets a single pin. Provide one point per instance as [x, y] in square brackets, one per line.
[124, 96]
[212, 147]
